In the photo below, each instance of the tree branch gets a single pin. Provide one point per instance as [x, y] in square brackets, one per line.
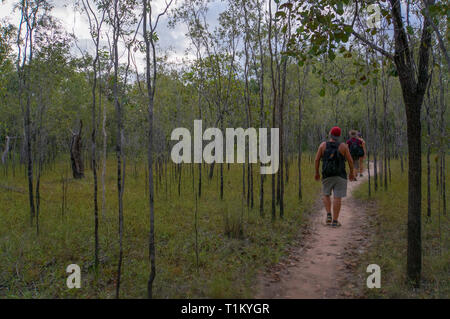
[438, 34]
[372, 45]
[424, 55]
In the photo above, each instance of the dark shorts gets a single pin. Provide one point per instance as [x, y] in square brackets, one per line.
[336, 184]
[356, 162]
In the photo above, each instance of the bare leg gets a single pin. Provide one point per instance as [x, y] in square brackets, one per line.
[361, 165]
[336, 207]
[327, 203]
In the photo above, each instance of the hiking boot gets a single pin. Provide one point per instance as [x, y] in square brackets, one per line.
[329, 219]
[361, 175]
[335, 224]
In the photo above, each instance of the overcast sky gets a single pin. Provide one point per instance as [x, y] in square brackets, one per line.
[171, 40]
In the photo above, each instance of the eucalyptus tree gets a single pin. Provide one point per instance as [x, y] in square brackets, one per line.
[95, 20]
[429, 141]
[114, 17]
[274, 94]
[386, 88]
[222, 48]
[192, 13]
[370, 63]
[47, 72]
[301, 87]
[260, 76]
[282, 101]
[7, 36]
[121, 17]
[279, 33]
[217, 65]
[31, 13]
[104, 65]
[443, 137]
[149, 28]
[247, 8]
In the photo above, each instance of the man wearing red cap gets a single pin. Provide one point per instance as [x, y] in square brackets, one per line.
[334, 176]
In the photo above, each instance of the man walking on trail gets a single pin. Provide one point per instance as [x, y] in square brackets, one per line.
[334, 176]
[361, 159]
[357, 150]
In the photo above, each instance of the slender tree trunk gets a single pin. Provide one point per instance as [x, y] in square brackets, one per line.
[151, 75]
[94, 152]
[119, 137]
[274, 97]
[385, 151]
[442, 133]
[375, 139]
[24, 86]
[413, 90]
[261, 104]
[76, 154]
[301, 93]
[414, 265]
[427, 107]
[368, 140]
[281, 109]
[40, 159]
[105, 154]
[221, 166]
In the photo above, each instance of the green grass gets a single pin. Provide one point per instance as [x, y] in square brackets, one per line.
[388, 249]
[34, 266]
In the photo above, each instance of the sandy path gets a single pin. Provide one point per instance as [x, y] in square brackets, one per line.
[322, 265]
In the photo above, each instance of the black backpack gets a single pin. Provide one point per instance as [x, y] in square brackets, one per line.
[330, 166]
[356, 149]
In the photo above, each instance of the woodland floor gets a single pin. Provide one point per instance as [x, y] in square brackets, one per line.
[323, 264]
[234, 241]
[306, 258]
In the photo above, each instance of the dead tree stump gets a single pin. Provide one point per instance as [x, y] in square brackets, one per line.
[75, 154]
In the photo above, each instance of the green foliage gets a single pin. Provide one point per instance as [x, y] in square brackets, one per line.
[331, 80]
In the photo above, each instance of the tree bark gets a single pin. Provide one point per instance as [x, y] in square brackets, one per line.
[413, 90]
[76, 155]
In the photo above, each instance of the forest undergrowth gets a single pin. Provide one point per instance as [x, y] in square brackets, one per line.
[234, 241]
[388, 248]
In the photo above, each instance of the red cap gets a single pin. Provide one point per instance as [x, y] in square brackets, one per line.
[336, 131]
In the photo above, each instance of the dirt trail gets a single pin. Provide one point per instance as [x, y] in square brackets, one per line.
[322, 266]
